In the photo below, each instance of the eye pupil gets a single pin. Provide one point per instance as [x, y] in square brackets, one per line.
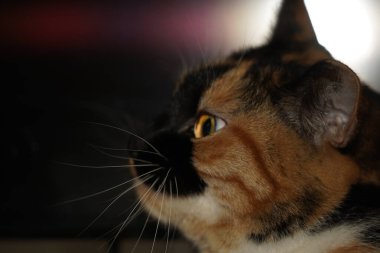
[207, 127]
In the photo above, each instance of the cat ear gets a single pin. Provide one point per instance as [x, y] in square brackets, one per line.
[293, 24]
[326, 103]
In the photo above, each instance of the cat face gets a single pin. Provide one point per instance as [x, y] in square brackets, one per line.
[250, 147]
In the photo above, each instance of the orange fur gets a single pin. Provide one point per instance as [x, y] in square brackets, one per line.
[222, 98]
[258, 162]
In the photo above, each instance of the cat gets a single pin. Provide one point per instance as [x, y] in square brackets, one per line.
[273, 149]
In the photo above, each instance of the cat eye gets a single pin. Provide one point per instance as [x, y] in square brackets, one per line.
[207, 124]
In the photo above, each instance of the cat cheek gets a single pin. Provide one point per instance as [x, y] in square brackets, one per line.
[207, 151]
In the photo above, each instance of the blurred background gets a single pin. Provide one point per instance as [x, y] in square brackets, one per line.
[67, 64]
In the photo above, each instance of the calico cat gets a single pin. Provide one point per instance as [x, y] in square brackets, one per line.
[273, 149]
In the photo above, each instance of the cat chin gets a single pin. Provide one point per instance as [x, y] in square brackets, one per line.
[180, 211]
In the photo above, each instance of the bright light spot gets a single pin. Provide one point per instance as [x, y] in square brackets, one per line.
[248, 23]
[344, 27]
[347, 28]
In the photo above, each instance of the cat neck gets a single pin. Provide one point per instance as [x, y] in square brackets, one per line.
[364, 148]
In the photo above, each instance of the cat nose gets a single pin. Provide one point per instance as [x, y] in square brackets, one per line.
[173, 149]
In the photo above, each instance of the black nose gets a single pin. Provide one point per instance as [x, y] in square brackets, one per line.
[175, 149]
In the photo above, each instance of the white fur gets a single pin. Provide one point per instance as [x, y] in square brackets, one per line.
[203, 206]
[303, 243]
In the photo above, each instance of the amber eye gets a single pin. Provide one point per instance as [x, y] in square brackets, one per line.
[207, 124]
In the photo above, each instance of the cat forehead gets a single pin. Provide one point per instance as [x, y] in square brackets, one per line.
[244, 79]
[225, 94]
[217, 89]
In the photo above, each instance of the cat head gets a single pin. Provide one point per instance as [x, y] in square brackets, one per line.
[250, 148]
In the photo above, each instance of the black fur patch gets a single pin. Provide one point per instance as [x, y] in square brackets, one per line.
[175, 143]
[286, 218]
[186, 99]
[267, 80]
[361, 206]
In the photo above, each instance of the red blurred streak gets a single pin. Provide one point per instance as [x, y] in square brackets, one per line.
[73, 26]
[52, 26]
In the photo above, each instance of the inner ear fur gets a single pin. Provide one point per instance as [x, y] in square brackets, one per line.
[325, 104]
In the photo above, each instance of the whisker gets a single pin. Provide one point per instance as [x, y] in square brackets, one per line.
[170, 214]
[131, 218]
[147, 219]
[108, 189]
[113, 201]
[130, 214]
[125, 149]
[171, 199]
[137, 213]
[141, 233]
[106, 166]
[108, 232]
[159, 217]
[134, 215]
[176, 186]
[128, 132]
[118, 157]
[158, 224]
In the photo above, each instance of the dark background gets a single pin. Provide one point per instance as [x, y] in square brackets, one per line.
[66, 64]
